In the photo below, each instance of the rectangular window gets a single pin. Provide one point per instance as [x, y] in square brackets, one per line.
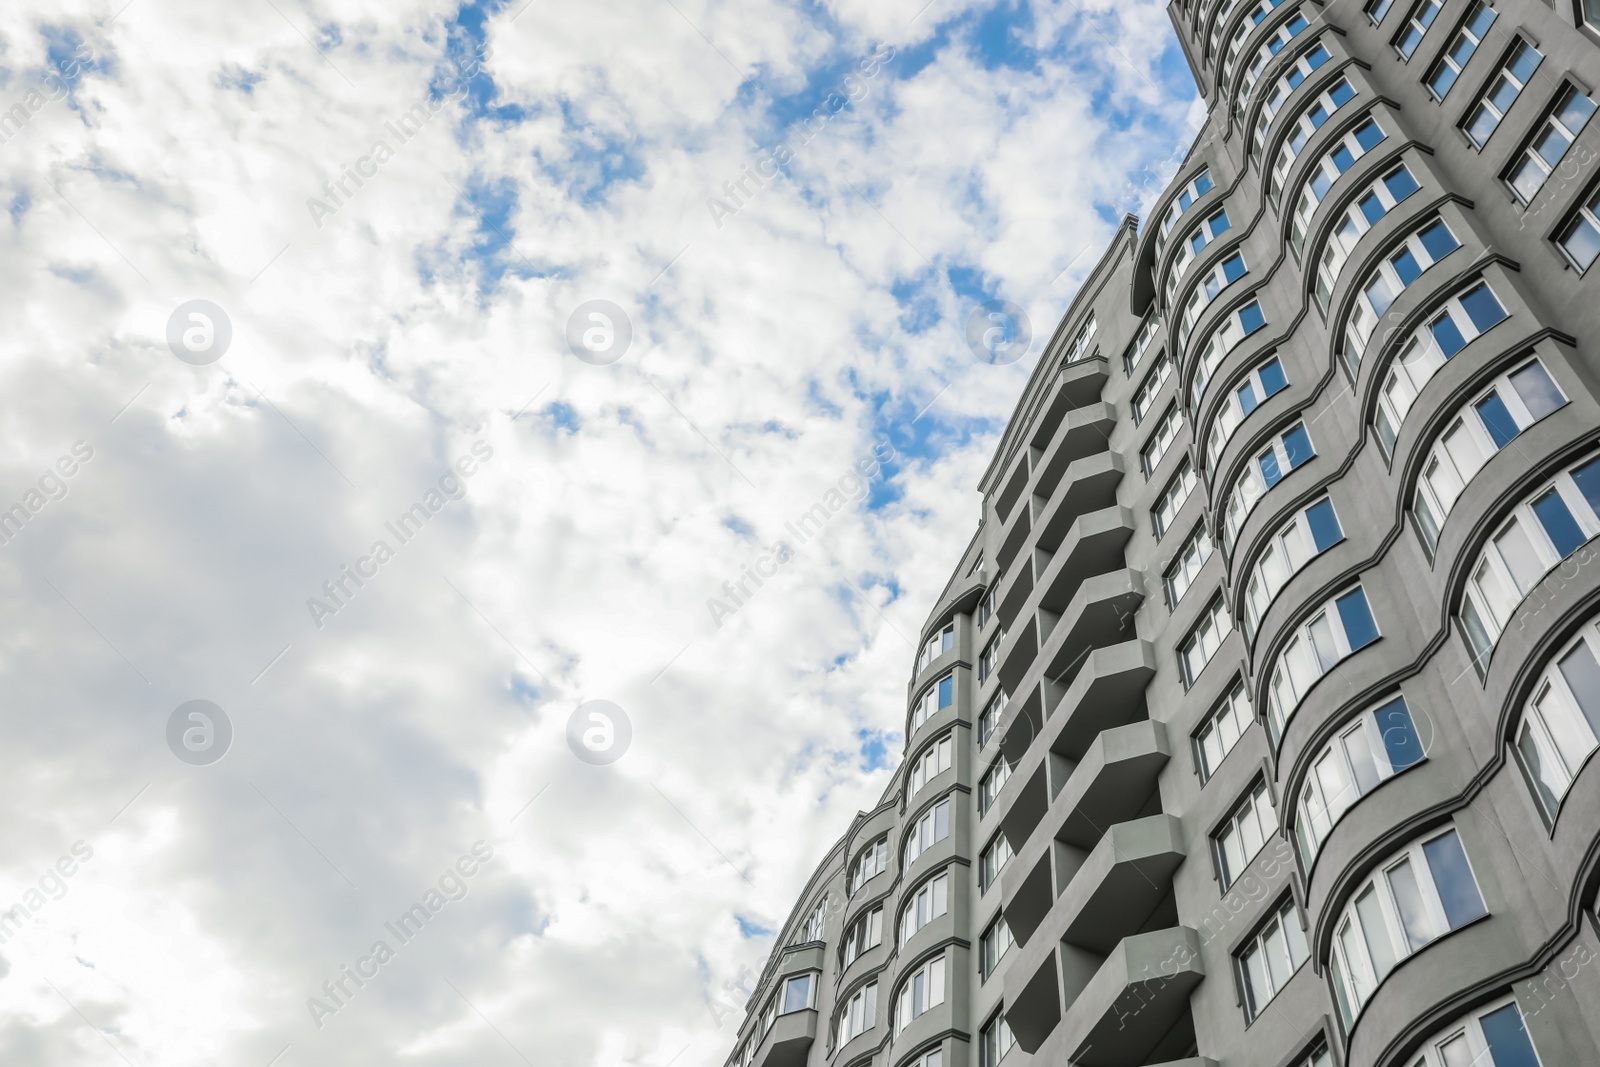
[922, 991]
[1308, 123]
[992, 861]
[1580, 238]
[1484, 117]
[1343, 626]
[1191, 556]
[1272, 958]
[1495, 1036]
[1199, 186]
[1160, 440]
[814, 925]
[1376, 9]
[930, 829]
[1372, 748]
[799, 993]
[1204, 639]
[1247, 829]
[1309, 60]
[1549, 143]
[1222, 730]
[1448, 67]
[1306, 534]
[992, 946]
[986, 605]
[1560, 725]
[990, 659]
[929, 902]
[935, 699]
[1416, 27]
[1141, 344]
[994, 1040]
[1079, 348]
[1172, 497]
[993, 781]
[1450, 329]
[1159, 373]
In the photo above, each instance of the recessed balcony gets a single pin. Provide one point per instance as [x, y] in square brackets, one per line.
[1083, 432]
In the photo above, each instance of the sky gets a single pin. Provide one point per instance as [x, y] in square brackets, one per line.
[307, 417]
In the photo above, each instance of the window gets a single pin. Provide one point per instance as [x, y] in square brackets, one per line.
[1545, 528]
[1260, 11]
[1159, 373]
[1420, 250]
[1549, 144]
[799, 993]
[1265, 381]
[923, 990]
[986, 605]
[1309, 122]
[992, 945]
[1376, 9]
[935, 699]
[859, 1014]
[1199, 186]
[994, 1040]
[1141, 345]
[1239, 324]
[990, 717]
[990, 659]
[1247, 829]
[926, 904]
[1222, 730]
[1172, 497]
[1484, 425]
[865, 933]
[992, 861]
[1308, 61]
[815, 923]
[1421, 894]
[1192, 555]
[931, 1058]
[1448, 68]
[1294, 544]
[934, 761]
[1079, 348]
[936, 646]
[1462, 318]
[1275, 43]
[1366, 208]
[929, 830]
[1203, 641]
[1561, 723]
[993, 781]
[1203, 234]
[870, 862]
[1366, 136]
[1271, 958]
[1343, 625]
[1288, 450]
[1580, 240]
[1218, 278]
[1489, 1037]
[1416, 27]
[1484, 116]
[1160, 440]
[1370, 749]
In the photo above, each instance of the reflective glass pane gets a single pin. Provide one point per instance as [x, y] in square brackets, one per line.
[1507, 1038]
[1452, 877]
[1537, 392]
[1497, 419]
[1408, 902]
[1558, 523]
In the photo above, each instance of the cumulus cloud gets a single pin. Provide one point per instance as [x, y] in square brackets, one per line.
[394, 310]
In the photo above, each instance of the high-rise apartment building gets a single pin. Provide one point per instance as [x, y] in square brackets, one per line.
[1254, 728]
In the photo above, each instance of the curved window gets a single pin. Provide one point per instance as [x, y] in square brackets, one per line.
[1310, 121]
[934, 761]
[1192, 555]
[870, 862]
[1218, 278]
[815, 923]
[1551, 524]
[1265, 381]
[1484, 425]
[864, 934]
[1541, 155]
[1502, 92]
[922, 991]
[1416, 27]
[1222, 730]
[993, 781]
[1148, 389]
[1456, 55]
[929, 902]
[1462, 318]
[1241, 837]
[1287, 451]
[936, 646]
[1374, 747]
[1307, 534]
[1274, 44]
[938, 696]
[1342, 627]
[1561, 722]
[860, 1013]
[1490, 1037]
[1239, 323]
[1262, 9]
[1272, 957]
[1215, 34]
[1419, 895]
[1368, 206]
[1199, 186]
[929, 830]
[1298, 71]
[1202, 642]
[1366, 136]
[1212, 227]
[1416, 253]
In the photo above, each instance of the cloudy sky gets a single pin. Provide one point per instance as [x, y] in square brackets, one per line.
[385, 307]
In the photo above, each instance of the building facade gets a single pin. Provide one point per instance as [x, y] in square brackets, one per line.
[1254, 726]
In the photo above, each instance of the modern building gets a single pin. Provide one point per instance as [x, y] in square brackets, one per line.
[1254, 727]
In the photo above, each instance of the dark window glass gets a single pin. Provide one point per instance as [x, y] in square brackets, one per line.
[1400, 184]
[1508, 1038]
[1453, 878]
[1582, 675]
[1269, 468]
[1251, 318]
[1497, 420]
[1482, 308]
[1448, 335]
[1400, 739]
[1439, 241]
[1557, 520]
[1325, 531]
[1272, 378]
[1588, 479]
[1357, 618]
[1371, 207]
[1297, 445]
[1406, 266]
[1537, 391]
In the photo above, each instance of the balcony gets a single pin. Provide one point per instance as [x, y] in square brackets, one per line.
[789, 1040]
[1093, 545]
[1099, 613]
[1083, 432]
[1091, 485]
[1134, 1007]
